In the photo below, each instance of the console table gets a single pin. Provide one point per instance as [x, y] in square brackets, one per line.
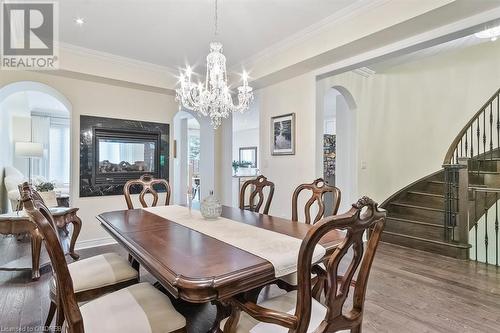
[18, 223]
[14, 224]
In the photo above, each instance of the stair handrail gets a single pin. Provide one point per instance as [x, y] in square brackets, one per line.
[454, 145]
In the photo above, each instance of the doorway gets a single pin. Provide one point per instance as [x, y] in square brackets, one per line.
[35, 140]
[338, 142]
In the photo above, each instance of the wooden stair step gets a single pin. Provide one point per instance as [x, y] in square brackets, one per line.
[429, 199]
[427, 194]
[416, 212]
[416, 228]
[459, 251]
[408, 205]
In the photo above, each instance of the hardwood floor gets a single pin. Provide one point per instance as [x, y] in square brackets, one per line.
[408, 291]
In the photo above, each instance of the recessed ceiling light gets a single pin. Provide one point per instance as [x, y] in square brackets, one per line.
[491, 33]
[79, 21]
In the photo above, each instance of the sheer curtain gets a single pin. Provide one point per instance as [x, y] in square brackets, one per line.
[53, 134]
[40, 129]
[59, 151]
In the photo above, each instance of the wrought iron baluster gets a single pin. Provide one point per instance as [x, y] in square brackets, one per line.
[478, 133]
[486, 225]
[461, 148]
[475, 225]
[471, 141]
[496, 228]
[466, 146]
[498, 121]
[484, 135]
[491, 131]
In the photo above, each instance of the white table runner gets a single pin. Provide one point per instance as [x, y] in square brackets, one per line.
[280, 250]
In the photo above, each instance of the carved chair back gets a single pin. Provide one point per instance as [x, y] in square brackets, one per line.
[318, 189]
[147, 183]
[257, 187]
[41, 216]
[363, 216]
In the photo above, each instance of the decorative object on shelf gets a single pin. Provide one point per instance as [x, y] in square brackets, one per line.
[46, 191]
[44, 186]
[283, 134]
[211, 208]
[213, 99]
[235, 165]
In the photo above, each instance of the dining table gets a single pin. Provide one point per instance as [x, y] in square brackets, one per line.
[198, 268]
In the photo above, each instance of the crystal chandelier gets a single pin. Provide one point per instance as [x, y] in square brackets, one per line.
[213, 99]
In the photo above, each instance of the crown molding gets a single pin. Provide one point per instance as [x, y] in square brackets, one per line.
[117, 59]
[346, 13]
[109, 81]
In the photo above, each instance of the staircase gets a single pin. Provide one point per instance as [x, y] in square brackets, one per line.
[435, 213]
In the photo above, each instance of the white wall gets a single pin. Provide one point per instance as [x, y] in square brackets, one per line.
[245, 138]
[406, 119]
[296, 95]
[97, 99]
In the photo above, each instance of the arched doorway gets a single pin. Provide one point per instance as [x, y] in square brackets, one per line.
[35, 115]
[187, 178]
[338, 136]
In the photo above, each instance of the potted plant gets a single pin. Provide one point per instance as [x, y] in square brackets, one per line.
[236, 165]
[46, 191]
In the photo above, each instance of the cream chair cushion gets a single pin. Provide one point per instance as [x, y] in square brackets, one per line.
[284, 303]
[99, 271]
[140, 308]
[292, 279]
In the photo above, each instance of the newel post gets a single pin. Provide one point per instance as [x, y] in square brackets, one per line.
[456, 184]
[462, 232]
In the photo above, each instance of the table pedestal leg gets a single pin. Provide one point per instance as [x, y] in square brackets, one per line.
[36, 245]
[77, 226]
[222, 312]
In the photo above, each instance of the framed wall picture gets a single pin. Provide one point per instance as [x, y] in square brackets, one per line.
[283, 134]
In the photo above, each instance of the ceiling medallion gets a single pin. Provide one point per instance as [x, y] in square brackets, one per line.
[213, 98]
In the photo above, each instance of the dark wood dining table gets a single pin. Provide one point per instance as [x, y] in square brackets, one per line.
[195, 267]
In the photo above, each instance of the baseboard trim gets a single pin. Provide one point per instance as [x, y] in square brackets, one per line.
[80, 245]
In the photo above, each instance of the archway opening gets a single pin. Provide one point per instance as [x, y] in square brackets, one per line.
[339, 134]
[35, 142]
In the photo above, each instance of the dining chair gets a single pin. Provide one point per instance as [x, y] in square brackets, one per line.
[92, 277]
[257, 187]
[318, 189]
[137, 308]
[298, 311]
[146, 183]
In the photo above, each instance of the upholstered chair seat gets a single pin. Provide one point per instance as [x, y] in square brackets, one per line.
[138, 308]
[292, 279]
[284, 303]
[100, 271]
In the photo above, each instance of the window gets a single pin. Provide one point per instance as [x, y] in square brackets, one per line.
[59, 151]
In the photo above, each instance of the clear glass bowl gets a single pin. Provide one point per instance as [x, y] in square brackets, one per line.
[211, 208]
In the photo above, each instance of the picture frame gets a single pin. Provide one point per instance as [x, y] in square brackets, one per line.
[248, 154]
[283, 134]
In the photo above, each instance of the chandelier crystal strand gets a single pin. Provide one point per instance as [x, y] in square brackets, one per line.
[213, 99]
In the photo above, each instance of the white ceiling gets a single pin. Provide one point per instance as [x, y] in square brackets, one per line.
[175, 32]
